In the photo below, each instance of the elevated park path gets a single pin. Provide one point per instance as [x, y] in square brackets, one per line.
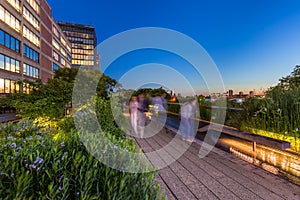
[219, 175]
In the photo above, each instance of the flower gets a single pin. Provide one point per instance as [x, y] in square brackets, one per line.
[32, 166]
[297, 129]
[13, 145]
[12, 175]
[38, 160]
[62, 144]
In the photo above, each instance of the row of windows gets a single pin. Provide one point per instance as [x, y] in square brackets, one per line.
[81, 40]
[30, 53]
[9, 64]
[63, 41]
[30, 71]
[34, 5]
[83, 57]
[31, 36]
[9, 41]
[80, 35]
[8, 86]
[82, 46]
[81, 51]
[83, 62]
[56, 67]
[58, 58]
[15, 4]
[30, 18]
[9, 19]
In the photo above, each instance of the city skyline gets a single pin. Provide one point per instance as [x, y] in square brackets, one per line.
[253, 44]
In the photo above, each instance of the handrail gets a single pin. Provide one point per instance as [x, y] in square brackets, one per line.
[254, 138]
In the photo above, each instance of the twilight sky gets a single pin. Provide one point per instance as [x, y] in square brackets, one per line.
[253, 43]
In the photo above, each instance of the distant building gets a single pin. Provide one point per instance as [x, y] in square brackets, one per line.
[84, 42]
[31, 45]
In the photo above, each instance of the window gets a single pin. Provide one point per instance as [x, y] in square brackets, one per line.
[55, 31]
[9, 19]
[34, 5]
[13, 43]
[15, 4]
[31, 36]
[63, 41]
[2, 61]
[55, 67]
[9, 64]
[30, 18]
[56, 56]
[63, 52]
[1, 85]
[1, 37]
[30, 71]
[55, 44]
[9, 41]
[63, 62]
[30, 53]
[7, 86]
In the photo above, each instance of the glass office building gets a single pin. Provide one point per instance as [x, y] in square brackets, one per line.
[83, 40]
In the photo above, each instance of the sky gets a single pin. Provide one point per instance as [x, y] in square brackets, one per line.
[252, 43]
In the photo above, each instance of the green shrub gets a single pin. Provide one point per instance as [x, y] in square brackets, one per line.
[39, 167]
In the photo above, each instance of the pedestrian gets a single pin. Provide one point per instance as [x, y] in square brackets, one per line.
[141, 115]
[187, 125]
[134, 114]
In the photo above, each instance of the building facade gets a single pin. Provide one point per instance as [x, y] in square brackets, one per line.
[84, 41]
[31, 44]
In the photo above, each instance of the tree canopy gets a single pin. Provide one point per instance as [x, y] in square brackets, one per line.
[52, 98]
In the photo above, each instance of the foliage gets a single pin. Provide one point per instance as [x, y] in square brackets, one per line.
[52, 98]
[39, 159]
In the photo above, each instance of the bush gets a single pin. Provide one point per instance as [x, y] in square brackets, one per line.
[37, 166]
[43, 158]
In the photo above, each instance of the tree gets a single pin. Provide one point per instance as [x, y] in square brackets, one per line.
[52, 98]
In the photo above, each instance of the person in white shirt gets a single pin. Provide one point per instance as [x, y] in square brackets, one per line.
[134, 114]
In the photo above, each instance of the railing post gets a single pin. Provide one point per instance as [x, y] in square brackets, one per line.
[254, 151]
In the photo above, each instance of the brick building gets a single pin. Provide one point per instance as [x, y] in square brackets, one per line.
[32, 45]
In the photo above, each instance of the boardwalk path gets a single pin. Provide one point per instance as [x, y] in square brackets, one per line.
[219, 175]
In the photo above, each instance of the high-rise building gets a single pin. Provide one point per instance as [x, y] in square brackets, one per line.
[31, 44]
[84, 41]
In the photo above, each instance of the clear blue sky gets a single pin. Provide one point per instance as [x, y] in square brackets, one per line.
[253, 43]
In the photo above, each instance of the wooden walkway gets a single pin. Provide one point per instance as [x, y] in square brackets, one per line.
[219, 175]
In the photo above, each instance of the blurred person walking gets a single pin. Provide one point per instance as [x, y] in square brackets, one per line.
[134, 114]
[187, 125]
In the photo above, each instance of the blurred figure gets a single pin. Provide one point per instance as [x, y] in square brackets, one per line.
[134, 113]
[159, 103]
[187, 129]
[164, 102]
[141, 115]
